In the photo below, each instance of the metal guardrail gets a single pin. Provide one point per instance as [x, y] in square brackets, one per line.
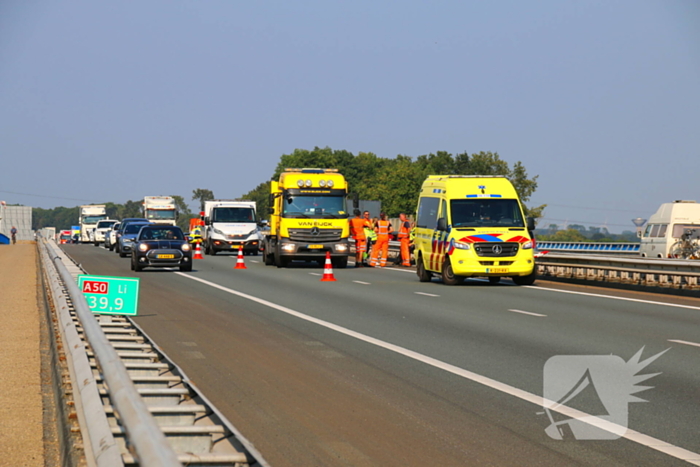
[175, 423]
[649, 272]
[590, 247]
[149, 442]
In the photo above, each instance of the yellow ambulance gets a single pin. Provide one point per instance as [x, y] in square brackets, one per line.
[472, 226]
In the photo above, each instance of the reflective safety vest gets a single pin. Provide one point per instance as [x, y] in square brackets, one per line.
[357, 228]
[383, 228]
[404, 230]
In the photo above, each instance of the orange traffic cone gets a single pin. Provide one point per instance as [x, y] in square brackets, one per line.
[240, 264]
[328, 269]
[198, 253]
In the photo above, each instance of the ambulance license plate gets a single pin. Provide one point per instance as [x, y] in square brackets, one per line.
[166, 256]
[314, 247]
[498, 270]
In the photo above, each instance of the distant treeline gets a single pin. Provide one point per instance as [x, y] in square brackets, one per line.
[395, 182]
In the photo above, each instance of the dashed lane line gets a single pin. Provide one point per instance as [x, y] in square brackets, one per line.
[528, 313]
[426, 294]
[684, 342]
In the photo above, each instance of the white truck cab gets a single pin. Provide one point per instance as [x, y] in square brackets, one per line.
[230, 224]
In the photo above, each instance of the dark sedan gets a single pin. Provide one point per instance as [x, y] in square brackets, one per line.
[161, 246]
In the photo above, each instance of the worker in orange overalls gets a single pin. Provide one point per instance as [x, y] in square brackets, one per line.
[357, 230]
[381, 247]
[404, 238]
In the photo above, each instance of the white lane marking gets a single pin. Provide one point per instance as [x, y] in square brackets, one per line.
[254, 261]
[314, 274]
[426, 294]
[528, 313]
[632, 435]
[639, 300]
[684, 342]
[363, 283]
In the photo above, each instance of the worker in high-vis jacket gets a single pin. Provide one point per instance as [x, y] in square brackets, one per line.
[357, 230]
[381, 248]
[405, 240]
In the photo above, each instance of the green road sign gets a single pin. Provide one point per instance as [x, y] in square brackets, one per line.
[110, 295]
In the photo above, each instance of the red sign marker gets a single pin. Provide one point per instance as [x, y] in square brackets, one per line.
[96, 287]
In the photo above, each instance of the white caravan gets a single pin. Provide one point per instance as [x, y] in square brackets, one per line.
[90, 215]
[229, 224]
[160, 209]
[666, 227]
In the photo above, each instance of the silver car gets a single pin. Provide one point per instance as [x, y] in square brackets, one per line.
[111, 236]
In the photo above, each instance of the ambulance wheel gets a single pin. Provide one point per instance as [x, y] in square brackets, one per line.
[269, 259]
[448, 275]
[423, 275]
[494, 279]
[526, 280]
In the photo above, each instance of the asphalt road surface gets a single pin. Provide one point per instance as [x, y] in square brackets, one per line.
[380, 369]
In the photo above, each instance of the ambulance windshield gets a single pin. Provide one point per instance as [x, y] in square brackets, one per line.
[485, 213]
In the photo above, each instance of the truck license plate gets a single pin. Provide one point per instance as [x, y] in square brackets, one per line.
[315, 246]
[498, 270]
[166, 256]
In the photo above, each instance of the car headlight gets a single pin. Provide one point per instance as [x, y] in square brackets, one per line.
[527, 245]
[341, 247]
[288, 247]
[186, 247]
[143, 247]
[127, 240]
[463, 246]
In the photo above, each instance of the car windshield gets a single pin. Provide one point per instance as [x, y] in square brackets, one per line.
[162, 234]
[132, 228]
[485, 213]
[232, 214]
[301, 206]
[105, 224]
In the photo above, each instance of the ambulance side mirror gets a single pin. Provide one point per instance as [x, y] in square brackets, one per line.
[442, 224]
[530, 224]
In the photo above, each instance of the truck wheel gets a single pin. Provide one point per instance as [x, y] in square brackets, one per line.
[340, 263]
[280, 260]
[526, 280]
[269, 259]
[423, 275]
[448, 275]
[494, 279]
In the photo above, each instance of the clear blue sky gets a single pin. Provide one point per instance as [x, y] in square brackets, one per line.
[110, 101]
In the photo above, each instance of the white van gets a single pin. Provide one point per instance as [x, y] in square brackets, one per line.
[666, 227]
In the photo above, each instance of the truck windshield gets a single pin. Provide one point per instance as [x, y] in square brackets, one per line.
[160, 214]
[93, 219]
[486, 213]
[314, 206]
[233, 215]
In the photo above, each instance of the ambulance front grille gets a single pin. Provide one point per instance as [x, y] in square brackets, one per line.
[496, 249]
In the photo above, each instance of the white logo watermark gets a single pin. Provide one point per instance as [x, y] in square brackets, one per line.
[603, 384]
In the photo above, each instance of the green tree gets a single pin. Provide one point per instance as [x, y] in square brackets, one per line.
[184, 213]
[202, 194]
[569, 235]
[261, 195]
